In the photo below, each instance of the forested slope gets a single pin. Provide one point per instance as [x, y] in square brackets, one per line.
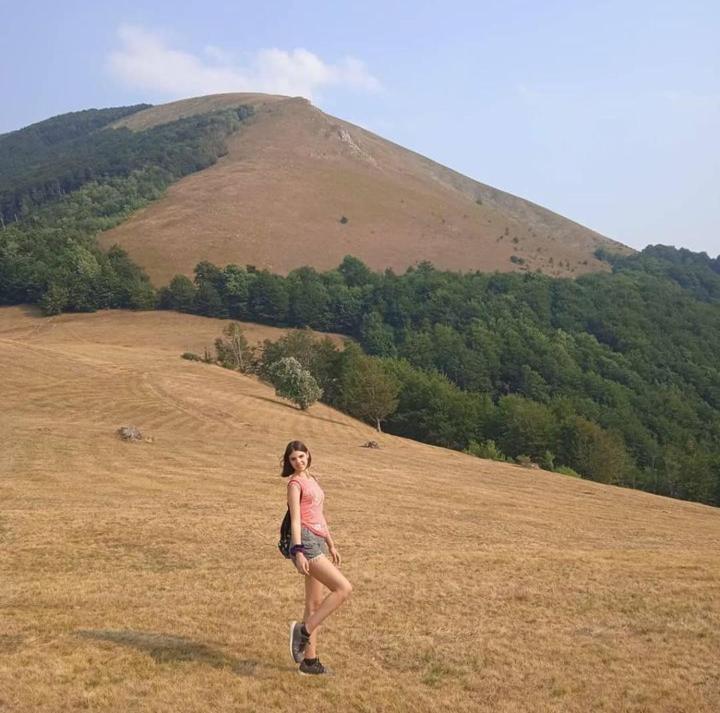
[64, 180]
[614, 375]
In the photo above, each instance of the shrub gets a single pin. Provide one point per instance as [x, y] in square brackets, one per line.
[191, 356]
[565, 470]
[294, 383]
[485, 449]
[55, 299]
[547, 460]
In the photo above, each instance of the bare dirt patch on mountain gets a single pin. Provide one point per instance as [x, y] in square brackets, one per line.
[145, 577]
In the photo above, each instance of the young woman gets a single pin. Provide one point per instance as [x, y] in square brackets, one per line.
[310, 544]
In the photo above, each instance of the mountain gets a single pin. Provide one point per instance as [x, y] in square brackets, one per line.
[300, 187]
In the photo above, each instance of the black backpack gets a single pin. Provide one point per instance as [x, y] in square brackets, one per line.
[284, 543]
[286, 534]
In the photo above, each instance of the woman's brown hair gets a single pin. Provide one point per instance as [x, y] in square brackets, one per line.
[287, 469]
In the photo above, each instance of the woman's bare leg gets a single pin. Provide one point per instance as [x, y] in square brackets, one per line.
[313, 600]
[322, 569]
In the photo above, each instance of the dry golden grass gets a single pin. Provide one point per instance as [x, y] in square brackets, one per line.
[292, 172]
[144, 577]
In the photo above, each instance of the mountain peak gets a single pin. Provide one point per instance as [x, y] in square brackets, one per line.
[301, 187]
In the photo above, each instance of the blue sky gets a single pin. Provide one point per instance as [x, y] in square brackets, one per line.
[606, 112]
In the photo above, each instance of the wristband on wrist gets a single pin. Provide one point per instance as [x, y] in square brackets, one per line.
[297, 548]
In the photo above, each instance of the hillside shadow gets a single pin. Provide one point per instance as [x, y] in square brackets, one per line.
[30, 310]
[293, 408]
[165, 648]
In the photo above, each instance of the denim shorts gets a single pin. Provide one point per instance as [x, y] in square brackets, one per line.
[314, 544]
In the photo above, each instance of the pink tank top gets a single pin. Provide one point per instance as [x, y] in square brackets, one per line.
[311, 505]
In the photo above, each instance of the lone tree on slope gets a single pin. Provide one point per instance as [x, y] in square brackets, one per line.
[234, 352]
[368, 391]
[294, 383]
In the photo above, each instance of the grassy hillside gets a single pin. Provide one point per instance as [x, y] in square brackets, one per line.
[145, 577]
[278, 198]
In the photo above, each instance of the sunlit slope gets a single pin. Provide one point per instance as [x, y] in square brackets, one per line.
[292, 173]
[145, 577]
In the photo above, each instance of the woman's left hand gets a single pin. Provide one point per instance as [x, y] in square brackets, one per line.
[335, 556]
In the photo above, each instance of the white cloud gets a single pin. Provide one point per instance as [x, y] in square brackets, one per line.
[144, 61]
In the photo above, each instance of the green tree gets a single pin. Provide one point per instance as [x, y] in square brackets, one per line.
[179, 295]
[268, 298]
[367, 390]
[355, 272]
[237, 282]
[309, 300]
[595, 453]
[524, 426]
[139, 295]
[234, 352]
[434, 410]
[377, 337]
[208, 301]
[207, 273]
[345, 306]
[319, 356]
[55, 299]
[294, 383]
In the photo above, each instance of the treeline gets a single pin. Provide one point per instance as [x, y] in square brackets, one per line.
[50, 257]
[45, 161]
[612, 375]
[695, 272]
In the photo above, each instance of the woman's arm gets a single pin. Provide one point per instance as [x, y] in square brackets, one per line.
[293, 498]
